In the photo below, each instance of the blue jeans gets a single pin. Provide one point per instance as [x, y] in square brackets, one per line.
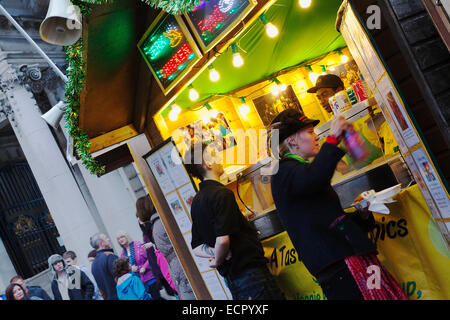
[255, 284]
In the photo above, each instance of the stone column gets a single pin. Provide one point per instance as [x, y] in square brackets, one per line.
[56, 181]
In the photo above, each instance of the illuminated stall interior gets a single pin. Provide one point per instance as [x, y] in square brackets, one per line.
[274, 71]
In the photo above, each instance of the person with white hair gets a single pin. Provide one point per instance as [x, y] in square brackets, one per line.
[139, 263]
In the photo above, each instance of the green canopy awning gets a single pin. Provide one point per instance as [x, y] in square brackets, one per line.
[304, 34]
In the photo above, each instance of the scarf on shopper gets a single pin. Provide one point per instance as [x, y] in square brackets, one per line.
[384, 288]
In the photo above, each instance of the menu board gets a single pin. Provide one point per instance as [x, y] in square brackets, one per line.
[212, 20]
[179, 191]
[169, 50]
[397, 111]
[431, 179]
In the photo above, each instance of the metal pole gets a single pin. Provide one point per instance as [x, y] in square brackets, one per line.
[31, 41]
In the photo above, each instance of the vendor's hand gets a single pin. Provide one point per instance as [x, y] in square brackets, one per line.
[134, 268]
[363, 211]
[212, 262]
[142, 270]
[338, 126]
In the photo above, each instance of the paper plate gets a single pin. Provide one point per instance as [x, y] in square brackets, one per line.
[388, 193]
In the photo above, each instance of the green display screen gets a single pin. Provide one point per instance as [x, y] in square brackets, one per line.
[210, 19]
[167, 50]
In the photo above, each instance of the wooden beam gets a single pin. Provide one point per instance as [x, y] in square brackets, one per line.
[112, 137]
[439, 19]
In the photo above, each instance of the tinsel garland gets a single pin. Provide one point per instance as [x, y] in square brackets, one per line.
[76, 74]
[75, 83]
[170, 6]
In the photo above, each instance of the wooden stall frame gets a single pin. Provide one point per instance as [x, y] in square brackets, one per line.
[189, 266]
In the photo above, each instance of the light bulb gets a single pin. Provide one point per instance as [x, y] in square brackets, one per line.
[313, 77]
[305, 3]
[244, 109]
[276, 90]
[176, 109]
[193, 94]
[173, 115]
[213, 113]
[237, 60]
[214, 75]
[206, 118]
[344, 59]
[282, 87]
[271, 30]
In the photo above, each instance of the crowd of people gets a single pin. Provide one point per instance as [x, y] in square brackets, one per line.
[147, 270]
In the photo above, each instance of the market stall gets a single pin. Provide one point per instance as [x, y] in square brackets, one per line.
[221, 72]
[238, 92]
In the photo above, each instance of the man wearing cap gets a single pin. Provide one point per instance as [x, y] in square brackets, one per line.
[326, 87]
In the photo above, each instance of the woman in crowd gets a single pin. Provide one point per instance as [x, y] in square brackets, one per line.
[334, 246]
[16, 292]
[155, 234]
[140, 264]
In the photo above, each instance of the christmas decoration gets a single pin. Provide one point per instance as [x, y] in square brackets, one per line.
[170, 6]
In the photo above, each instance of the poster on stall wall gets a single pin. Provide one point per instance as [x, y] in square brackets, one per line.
[348, 35]
[432, 182]
[397, 111]
[365, 48]
[179, 192]
[160, 171]
[387, 115]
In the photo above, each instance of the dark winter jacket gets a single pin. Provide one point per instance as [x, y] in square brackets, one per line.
[102, 270]
[37, 291]
[311, 212]
[79, 285]
[82, 291]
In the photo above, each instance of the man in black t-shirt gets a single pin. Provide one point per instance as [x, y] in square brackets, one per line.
[222, 234]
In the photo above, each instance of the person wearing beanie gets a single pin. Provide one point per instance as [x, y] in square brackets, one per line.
[69, 283]
[334, 246]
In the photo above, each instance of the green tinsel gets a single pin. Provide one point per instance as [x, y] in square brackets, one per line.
[75, 83]
[170, 6]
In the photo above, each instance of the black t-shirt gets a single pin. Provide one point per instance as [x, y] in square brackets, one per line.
[215, 213]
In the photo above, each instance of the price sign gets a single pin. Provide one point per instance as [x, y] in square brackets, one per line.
[212, 20]
[169, 50]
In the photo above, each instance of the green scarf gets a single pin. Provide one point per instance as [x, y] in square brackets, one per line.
[297, 157]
